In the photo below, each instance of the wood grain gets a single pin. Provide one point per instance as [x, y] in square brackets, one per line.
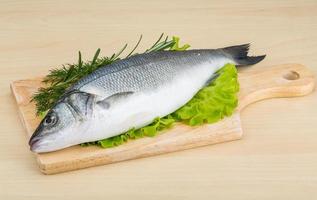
[286, 80]
[277, 157]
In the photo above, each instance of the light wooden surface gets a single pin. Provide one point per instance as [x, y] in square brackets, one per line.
[288, 80]
[277, 158]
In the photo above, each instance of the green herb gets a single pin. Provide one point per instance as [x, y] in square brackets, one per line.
[59, 79]
[209, 105]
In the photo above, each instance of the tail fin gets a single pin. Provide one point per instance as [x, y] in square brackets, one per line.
[240, 56]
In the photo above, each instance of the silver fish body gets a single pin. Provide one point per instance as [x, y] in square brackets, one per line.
[130, 93]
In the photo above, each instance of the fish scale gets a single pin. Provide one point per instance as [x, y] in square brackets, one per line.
[143, 72]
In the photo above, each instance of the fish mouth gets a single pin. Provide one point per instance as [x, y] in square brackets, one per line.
[34, 142]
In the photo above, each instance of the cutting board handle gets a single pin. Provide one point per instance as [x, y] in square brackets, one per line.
[287, 80]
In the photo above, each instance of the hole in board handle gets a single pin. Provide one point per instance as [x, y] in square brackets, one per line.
[291, 75]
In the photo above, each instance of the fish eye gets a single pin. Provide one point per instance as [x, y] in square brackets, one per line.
[50, 119]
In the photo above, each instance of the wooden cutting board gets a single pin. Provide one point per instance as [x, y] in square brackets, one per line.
[286, 80]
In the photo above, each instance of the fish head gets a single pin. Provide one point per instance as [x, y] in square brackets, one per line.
[56, 130]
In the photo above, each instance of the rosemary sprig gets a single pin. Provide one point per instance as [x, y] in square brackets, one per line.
[59, 79]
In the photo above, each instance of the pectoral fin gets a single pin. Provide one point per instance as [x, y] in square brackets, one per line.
[107, 102]
[213, 77]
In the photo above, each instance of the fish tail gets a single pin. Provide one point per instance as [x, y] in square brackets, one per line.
[239, 54]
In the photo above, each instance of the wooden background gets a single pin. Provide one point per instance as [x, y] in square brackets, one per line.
[276, 159]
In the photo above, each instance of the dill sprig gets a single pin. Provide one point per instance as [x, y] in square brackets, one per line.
[59, 79]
